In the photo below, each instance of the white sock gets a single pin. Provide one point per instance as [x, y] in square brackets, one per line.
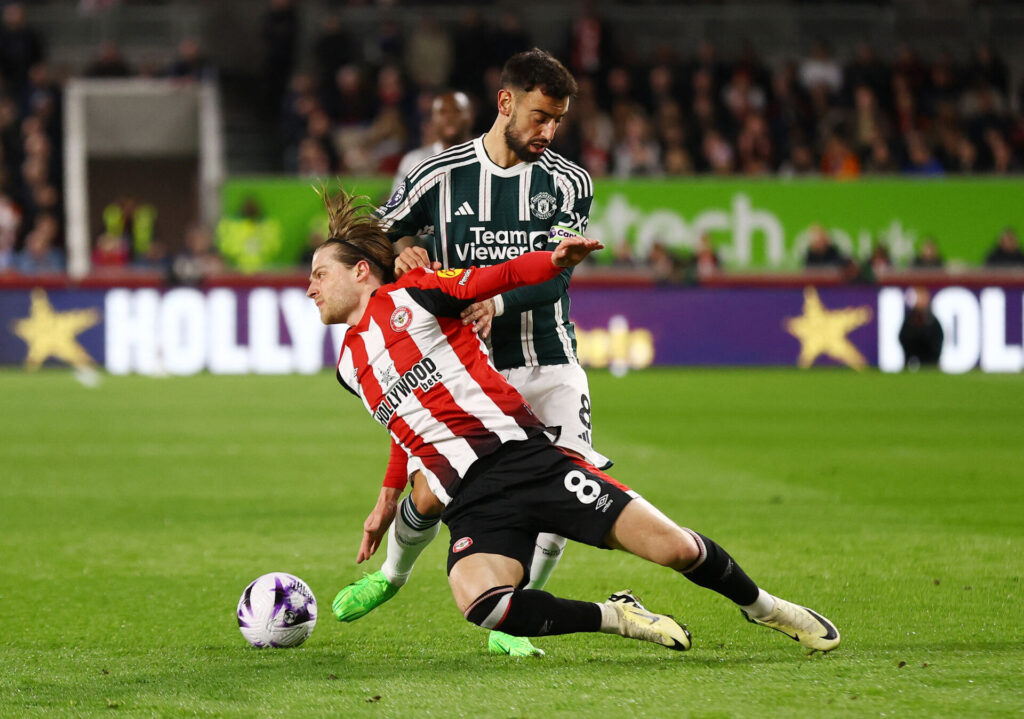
[545, 558]
[762, 606]
[409, 535]
[609, 619]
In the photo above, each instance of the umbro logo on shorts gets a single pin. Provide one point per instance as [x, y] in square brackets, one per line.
[464, 209]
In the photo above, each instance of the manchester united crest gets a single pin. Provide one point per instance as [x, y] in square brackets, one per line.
[543, 205]
[400, 319]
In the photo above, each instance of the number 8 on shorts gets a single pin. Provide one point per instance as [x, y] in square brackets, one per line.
[586, 490]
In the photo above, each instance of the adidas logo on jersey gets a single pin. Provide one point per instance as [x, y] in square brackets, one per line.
[464, 209]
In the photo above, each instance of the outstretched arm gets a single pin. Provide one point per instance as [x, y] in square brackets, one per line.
[533, 268]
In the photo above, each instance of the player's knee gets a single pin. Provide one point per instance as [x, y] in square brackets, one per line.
[490, 607]
[682, 551]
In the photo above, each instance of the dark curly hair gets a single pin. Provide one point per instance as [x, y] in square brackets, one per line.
[538, 69]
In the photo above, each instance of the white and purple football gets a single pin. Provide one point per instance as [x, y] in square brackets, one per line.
[277, 610]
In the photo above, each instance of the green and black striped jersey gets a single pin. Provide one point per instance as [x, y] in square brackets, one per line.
[477, 213]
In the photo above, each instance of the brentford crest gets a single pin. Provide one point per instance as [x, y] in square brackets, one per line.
[400, 319]
[542, 205]
[461, 544]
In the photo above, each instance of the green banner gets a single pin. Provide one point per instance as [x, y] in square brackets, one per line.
[754, 224]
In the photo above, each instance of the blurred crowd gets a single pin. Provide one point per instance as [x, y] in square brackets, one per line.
[364, 100]
[357, 102]
[31, 155]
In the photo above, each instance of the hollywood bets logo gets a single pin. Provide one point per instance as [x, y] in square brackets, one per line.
[421, 376]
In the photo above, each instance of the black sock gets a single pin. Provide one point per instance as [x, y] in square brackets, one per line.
[719, 572]
[533, 613]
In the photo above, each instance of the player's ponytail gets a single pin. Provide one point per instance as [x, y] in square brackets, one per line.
[355, 233]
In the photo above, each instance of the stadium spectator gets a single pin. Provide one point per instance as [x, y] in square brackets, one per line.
[596, 131]
[197, 260]
[705, 260]
[821, 252]
[1007, 252]
[155, 259]
[280, 35]
[666, 267]
[865, 69]
[879, 159]
[313, 161]
[591, 50]
[10, 223]
[988, 67]
[877, 264]
[109, 62]
[384, 46]
[332, 49]
[190, 63]
[41, 254]
[869, 123]
[800, 162]
[318, 132]
[821, 69]
[451, 118]
[636, 153]
[1003, 160]
[133, 220]
[928, 256]
[472, 41]
[754, 146]
[718, 155]
[110, 251]
[921, 334]
[920, 159]
[429, 55]
[838, 160]
[511, 37]
[349, 101]
[247, 239]
[21, 47]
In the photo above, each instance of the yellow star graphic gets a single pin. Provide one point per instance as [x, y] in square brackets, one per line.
[53, 334]
[823, 331]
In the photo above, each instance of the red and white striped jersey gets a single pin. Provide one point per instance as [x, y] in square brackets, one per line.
[426, 377]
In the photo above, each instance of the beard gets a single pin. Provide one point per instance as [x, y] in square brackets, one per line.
[521, 149]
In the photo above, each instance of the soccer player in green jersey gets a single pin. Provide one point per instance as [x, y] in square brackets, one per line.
[481, 203]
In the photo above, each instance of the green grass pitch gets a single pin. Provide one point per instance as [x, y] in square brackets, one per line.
[134, 514]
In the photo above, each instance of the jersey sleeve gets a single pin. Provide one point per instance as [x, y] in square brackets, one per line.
[573, 215]
[396, 476]
[406, 213]
[448, 292]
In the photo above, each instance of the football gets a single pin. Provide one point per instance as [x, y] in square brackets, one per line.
[277, 610]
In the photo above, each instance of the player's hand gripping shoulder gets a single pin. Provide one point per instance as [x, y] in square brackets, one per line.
[412, 257]
[480, 315]
[573, 250]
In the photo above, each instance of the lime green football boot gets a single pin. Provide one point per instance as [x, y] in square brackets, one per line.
[501, 643]
[360, 598]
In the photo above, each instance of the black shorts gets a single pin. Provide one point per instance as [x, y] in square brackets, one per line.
[528, 487]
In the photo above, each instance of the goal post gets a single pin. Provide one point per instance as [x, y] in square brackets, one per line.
[131, 137]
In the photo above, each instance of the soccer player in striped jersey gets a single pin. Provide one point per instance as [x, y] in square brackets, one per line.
[481, 452]
[481, 203]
